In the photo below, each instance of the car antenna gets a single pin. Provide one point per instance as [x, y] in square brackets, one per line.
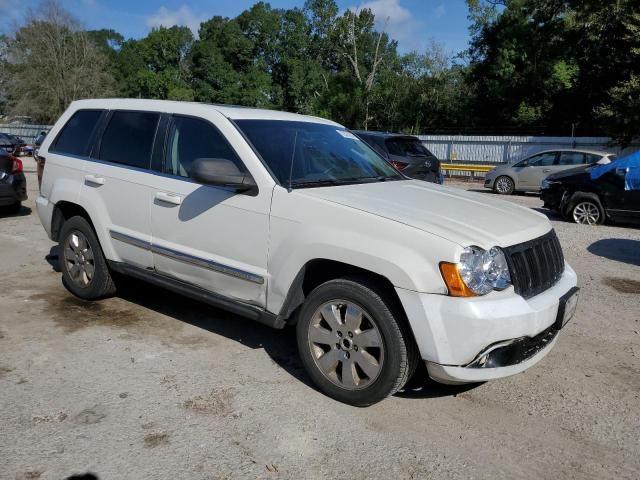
[293, 154]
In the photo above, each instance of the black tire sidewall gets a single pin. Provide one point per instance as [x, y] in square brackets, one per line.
[394, 342]
[101, 284]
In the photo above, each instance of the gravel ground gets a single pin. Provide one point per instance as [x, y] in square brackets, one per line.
[153, 385]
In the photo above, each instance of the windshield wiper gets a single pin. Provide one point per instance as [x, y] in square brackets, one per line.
[341, 181]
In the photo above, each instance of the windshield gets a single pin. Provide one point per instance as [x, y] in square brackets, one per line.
[407, 147]
[304, 154]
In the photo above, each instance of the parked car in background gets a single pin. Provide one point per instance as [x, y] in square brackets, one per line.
[293, 220]
[406, 153]
[8, 144]
[527, 175]
[13, 185]
[591, 196]
[39, 160]
[21, 145]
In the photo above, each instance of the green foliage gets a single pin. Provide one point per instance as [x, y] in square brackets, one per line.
[552, 64]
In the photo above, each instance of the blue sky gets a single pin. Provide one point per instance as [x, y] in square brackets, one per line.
[412, 22]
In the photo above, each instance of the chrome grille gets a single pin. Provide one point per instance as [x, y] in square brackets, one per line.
[535, 265]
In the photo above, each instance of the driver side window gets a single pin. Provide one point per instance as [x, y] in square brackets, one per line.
[542, 160]
[192, 138]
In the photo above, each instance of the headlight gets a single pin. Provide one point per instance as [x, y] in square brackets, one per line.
[478, 272]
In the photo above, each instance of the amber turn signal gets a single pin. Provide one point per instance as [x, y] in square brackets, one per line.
[453, 280]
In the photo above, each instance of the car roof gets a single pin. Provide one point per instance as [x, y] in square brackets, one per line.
[578, 150]
[232, 112]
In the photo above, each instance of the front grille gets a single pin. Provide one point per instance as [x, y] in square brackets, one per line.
[535, 265]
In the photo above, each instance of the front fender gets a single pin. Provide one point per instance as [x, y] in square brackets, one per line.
[305, 229]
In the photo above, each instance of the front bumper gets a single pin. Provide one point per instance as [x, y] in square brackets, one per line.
[552, 197]
[489, 179]
[452, 333]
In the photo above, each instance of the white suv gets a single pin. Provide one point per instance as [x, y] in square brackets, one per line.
[288, 219]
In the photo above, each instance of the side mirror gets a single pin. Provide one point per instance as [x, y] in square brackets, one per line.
[224, 173]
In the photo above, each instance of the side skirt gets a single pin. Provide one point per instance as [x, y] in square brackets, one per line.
[200, 294]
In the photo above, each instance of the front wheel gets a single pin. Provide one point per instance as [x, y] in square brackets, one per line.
[353, 343]
[504, 185]
[587, 212]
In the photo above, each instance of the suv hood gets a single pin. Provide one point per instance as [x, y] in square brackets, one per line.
[462, 217]
[570, 173]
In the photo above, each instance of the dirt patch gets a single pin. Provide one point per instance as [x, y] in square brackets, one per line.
[90, 416]
[30, 475]
[623, 285]
[4, 370]
[59, 417]
[153, 440]
[72, 314]
[218, 402]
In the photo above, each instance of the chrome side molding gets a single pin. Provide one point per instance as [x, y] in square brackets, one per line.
[187, 258]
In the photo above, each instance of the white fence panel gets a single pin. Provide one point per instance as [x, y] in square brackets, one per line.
[499, 148]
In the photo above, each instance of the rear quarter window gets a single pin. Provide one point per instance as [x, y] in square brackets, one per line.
[75, 136]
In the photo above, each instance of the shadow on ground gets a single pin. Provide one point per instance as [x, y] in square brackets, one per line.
[7, 212]
[280, 345]
[618, 249]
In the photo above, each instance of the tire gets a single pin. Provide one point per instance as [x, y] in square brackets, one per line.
[504, 185]
[350, 325]
[586, 210]
[84, 269]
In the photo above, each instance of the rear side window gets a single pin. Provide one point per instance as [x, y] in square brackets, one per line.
[572, 158]
[591, 158]
[128, 138]
[75, 136]
[190, 139]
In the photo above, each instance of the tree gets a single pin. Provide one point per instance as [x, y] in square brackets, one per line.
[53, 62]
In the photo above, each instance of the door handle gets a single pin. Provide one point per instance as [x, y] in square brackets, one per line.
[546, 170]
[92, 179]
[169, 198]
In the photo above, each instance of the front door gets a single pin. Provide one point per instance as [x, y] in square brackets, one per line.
[208, 236]
[530, 175]
[622, 204]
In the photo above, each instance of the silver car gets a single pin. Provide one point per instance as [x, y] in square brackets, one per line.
[527, 175]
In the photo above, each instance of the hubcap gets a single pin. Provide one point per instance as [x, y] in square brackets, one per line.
[346, 344]
[503, 185]
[586, 213]
[79, 259]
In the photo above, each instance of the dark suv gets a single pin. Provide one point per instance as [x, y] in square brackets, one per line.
[591, 195]
[406, 153]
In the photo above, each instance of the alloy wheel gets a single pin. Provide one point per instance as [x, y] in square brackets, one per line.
[504, 185]
[346, 344]
[586, 213]
[79, 258]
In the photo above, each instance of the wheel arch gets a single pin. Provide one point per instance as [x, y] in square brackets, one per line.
[320, 270]
[62, 212]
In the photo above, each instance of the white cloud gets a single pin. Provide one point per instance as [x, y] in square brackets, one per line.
[396, 20]
[183, 16]
[440, 11]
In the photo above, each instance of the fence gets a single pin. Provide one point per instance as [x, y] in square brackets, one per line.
[492, 150]
[27, 132]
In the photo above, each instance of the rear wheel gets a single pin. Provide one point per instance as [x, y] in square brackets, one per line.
[504, 185]
[84, 269]
[353, 344]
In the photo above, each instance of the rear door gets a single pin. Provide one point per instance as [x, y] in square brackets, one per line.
[207, 235]
[117, 184]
